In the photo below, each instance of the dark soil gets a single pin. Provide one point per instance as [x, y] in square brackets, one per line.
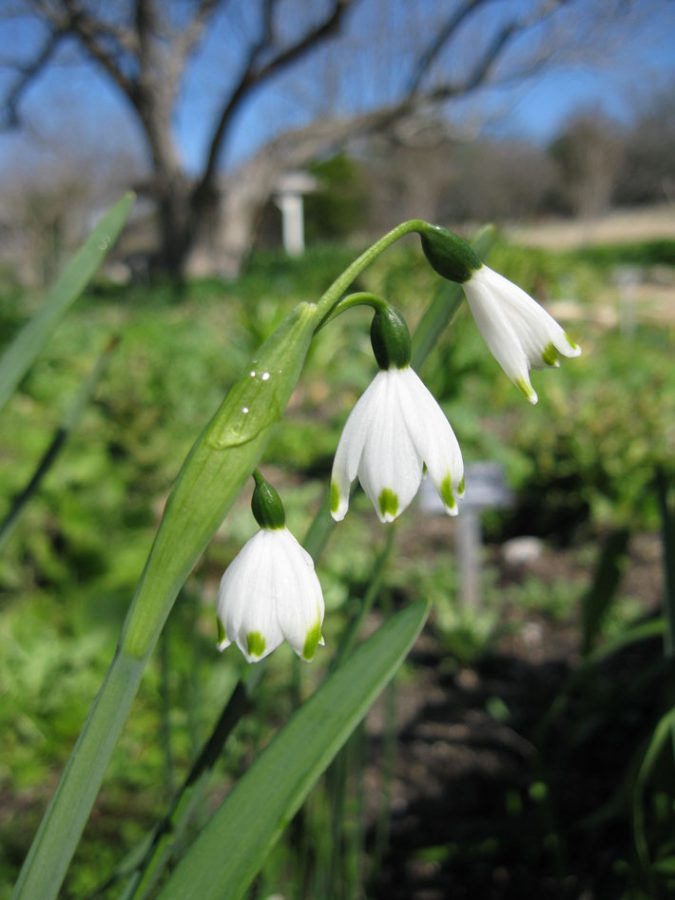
[513, 777]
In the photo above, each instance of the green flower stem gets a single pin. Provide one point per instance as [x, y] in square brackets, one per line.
[663, 492]
[342, 282]
[220, 462]
[348, 638]
[360, 298]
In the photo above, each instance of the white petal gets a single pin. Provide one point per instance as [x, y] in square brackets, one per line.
[350, 447]
[497, 328]
[433, 438]
[235, 587]
[246, 600]
[517, 329]
[390, 471]
[536, 328]
[300, 607]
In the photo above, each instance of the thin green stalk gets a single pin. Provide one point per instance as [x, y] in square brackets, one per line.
[253, 816]
[606, 579]
[145, 866]
[165, 711]
[170, 830]
[57, 443]
[658, 740]
[27, 345]
[663, 489]
[386, 772]
[45, 865]
[356, 875]
[360, 298]
[348, 638]
[331, 296]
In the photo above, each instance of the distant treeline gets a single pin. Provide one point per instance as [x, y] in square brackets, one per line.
[594, 163]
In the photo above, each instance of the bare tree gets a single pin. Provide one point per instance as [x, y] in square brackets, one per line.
[588, 152]
[648, 171]
[146, 50]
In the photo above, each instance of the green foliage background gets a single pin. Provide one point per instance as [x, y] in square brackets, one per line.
[583, 460]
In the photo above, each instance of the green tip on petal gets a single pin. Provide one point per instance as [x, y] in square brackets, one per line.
[222, 635]
[527, 389]
[461, 487]
[574, 346]
[312, 641]
[388, 503]
[334, 497]
[255, 643]
[550, 356]
[447, 494]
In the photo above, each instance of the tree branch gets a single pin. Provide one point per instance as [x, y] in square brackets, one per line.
[296, 148]
[252, 77]
[444, 35]
[27, 74]
[189, 37]
[89, 31]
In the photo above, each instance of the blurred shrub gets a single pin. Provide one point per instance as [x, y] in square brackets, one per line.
[338, 208]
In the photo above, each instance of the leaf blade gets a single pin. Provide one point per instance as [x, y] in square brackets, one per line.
[255, 813]
[79, 270]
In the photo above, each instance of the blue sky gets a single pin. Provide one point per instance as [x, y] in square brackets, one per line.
[74, 98]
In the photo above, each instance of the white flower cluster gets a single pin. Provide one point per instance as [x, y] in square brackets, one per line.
[270, 592]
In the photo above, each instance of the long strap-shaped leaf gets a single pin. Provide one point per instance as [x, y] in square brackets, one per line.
[230, 851]
[68, 423]
[26, 346]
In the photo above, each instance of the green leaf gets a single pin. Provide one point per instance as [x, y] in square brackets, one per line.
[663, 493]
[230, 851]
[58, 441]
[30, 341]
[597, 600]
[663, 733]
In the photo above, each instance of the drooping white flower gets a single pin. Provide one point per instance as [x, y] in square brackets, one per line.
[395, 429]
[268, 594]
[518, 331]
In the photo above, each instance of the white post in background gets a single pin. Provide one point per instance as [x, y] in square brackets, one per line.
[627, 279]
[485, 489]
[292, 223]
[469, 557]
[289, 193]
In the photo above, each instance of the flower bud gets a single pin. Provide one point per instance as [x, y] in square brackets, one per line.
[266, 505]
[448, 254]
[390, 339]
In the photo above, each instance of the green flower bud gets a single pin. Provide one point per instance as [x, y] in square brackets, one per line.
[390, 338]
[448, 254]
[266, 505]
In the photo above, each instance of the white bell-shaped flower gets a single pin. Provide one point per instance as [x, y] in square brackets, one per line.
[518, 331]
[268, 594]
[395, 429]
